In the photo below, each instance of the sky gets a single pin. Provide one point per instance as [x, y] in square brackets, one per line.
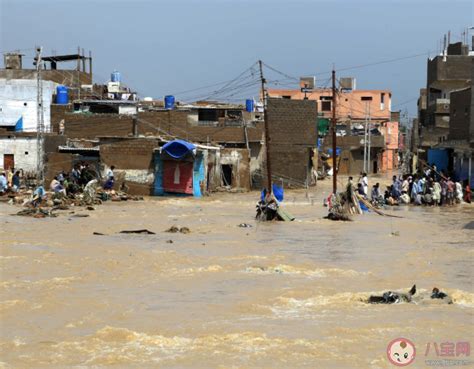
[166, 47]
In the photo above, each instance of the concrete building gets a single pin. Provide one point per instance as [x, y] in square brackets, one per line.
[459, 146]
[354, 109]
[352, 105]
[18, 104]
[443, 133]
[19, 149]
[81, 75]
[238, 134]
[446, 73]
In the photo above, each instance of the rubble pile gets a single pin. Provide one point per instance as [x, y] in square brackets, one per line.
[40, 203]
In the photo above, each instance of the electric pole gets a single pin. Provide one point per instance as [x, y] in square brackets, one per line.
[365, 134]
[334, 166]
[368, 148]
[267, 133]
[39, 117]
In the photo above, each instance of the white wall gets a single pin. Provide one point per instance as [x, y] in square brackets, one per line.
[19, 146]
[18, 98]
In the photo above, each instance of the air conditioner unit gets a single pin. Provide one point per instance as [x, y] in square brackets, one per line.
[347, 83]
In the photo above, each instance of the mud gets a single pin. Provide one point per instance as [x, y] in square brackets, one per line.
[274, 295]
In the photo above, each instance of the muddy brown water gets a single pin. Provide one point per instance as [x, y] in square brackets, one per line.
[276, 295]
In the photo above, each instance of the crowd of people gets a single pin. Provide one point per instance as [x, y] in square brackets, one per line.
[428, 187]
[64, 182]
[76, 180]
[10, 181]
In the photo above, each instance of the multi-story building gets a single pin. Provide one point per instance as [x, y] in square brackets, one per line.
[354, 110]
[446, 73]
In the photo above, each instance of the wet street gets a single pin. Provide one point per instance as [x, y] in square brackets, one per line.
[274, 295]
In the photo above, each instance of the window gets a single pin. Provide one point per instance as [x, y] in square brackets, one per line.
[26, 152]
[208, 115]
[25, 104]
[286, 97]
[326, 105]
[366, 98]
[382, 101]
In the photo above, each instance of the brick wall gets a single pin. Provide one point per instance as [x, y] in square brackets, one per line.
[58, 113]
[56, 162]
[240, 160]
[173, 122]
[128, 153]
[293, 133]
[96, 125]
[291, 163]
[460, 115]
[292, 121]
[63, 77]
[51, 142]
[133, 161]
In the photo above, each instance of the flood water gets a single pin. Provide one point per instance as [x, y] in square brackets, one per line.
[276, 295]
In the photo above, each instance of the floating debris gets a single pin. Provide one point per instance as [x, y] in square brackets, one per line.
[244, 225]
[138, 231]
[175, 229]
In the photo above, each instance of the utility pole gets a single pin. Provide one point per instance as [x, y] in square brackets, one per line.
[365, 135]
[368, 150]
[334, 166]
[39, 117]
[267, 133]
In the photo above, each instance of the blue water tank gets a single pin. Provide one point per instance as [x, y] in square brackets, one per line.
[62, 96]
[116, 76]
[249, 105]
[169, 102]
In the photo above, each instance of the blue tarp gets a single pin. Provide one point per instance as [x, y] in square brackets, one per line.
[338, 151]
[19, 125]
[277, 192]
[178, 148]
[439, 157]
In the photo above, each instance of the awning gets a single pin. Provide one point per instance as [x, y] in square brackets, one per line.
[177, 149]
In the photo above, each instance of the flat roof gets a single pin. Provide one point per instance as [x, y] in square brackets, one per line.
[60, 58]
[111, 102]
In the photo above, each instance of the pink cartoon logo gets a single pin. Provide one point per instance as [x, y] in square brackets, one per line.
[401, 352]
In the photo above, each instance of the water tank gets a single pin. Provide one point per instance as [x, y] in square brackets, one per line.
[169, 102]
[249, 105]
[62, 96]
[115, 76]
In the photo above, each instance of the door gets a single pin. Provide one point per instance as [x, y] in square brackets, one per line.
[178, 176]
[8, 161]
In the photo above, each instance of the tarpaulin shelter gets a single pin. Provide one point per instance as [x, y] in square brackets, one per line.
[181, 168]
[178, 149]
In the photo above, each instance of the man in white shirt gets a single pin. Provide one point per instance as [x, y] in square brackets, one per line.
[109, 183]
[365, 183]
